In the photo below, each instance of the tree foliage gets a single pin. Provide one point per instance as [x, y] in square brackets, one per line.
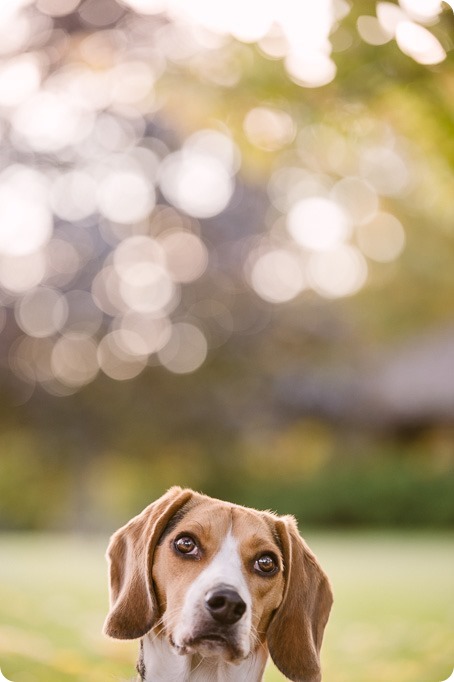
[190, 218]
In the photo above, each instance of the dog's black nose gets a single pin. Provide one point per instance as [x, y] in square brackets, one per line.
[225, 605]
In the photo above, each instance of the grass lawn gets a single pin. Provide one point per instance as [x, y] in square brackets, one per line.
[393, 618]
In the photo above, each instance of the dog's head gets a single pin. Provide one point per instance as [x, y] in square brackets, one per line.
[219, 579]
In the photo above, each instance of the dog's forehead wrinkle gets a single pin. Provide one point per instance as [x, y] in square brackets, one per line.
[250, 527]
[210, 520]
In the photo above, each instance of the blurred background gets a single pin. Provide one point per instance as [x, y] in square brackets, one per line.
[226, 262]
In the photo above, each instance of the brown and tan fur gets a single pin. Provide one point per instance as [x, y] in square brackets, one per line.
[149, 583]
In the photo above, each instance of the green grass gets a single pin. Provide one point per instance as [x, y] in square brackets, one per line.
[392, 620]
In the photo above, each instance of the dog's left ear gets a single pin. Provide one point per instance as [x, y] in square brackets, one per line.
[296, 631]
[133, 608]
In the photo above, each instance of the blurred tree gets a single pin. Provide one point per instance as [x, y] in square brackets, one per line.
[213, 226]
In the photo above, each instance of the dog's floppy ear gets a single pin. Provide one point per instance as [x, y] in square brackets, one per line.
[133, 608]
[296, 631]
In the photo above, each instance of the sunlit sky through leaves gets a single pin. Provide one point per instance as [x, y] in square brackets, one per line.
[107, 262]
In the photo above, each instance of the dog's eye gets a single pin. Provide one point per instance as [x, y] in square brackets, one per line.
[266, 564]
[186, 545]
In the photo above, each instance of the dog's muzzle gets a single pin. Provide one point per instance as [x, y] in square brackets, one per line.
[217, 628]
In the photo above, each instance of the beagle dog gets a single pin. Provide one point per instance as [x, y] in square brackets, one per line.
[211, 588]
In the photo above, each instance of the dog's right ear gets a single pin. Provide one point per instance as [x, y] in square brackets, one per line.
[133, 608]
[296, 631]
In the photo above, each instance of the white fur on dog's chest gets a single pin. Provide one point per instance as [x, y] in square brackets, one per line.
[162, 664]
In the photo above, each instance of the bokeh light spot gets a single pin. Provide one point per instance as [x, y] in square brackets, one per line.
[186, 255]
[385, 170]
[147, 287]
[311, 70]
[74, 360]
[73, 195]
[131, 82]
[126, 196]
[100, 13]
[338, 273]
[19, 79]
[25, 219]
[20, 273]
[186, 349]
[197, 183]
[419, 43]
[137, 249]
[217, 145]
[390, 16]
[153, 332]
[57, 8]
[144, 282]
[30, 359]
[358, 198]
[422, 10]
[115, 361]
[318, 224]
[382, 239]
[277, 276]
[269, 129]
[105, 290]
[147, 6]
[15, 28]
[41, 312]
[323, 148]
[49, 121]
[372, 31]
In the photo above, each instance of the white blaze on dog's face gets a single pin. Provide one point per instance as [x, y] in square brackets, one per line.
[218, 576]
